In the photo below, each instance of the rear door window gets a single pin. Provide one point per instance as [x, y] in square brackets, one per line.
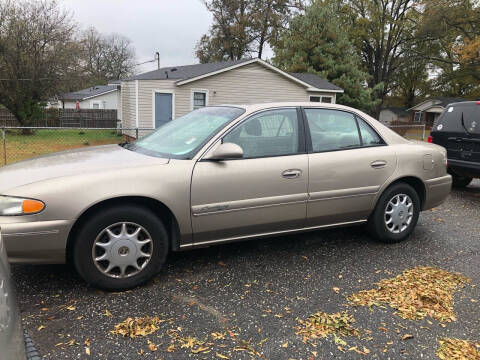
[332, 130]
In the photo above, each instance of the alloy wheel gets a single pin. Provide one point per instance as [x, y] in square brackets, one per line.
[122, 250]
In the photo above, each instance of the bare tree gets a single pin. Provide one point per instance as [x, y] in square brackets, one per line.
[106, 58]
[36, 54]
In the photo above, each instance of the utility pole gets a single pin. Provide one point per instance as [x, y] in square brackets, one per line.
[157, 57]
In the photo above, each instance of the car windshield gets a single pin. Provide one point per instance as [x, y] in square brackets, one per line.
[183, 137]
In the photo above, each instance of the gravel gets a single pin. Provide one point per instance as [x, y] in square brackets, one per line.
[255, 292]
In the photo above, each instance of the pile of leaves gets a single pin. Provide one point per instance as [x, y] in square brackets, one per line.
[320, 325]
[415, 293]
[451, 349]
[193, 344]
[137, 327]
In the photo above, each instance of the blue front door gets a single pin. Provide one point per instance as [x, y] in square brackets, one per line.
[163, 108]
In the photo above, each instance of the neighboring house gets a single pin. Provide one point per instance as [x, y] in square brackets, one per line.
[95, 97]
[429, 110]
[390, 115]
[156, 97]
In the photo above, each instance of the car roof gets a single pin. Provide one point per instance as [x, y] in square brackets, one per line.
[263, 106]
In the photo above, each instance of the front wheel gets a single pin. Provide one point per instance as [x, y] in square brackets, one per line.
[120, 247]
[396, 214]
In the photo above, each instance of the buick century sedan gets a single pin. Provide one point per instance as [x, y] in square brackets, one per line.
[216, 175]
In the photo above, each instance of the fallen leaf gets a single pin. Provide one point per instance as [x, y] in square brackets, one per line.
[222, 356]
[41, 327]
[151, 346]
[407, 336]
[285, 344]
[71, 308]
[336, 290]
[108, 313]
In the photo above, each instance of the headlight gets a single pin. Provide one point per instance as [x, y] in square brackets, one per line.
[18, 206]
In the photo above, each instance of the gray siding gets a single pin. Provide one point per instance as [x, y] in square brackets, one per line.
[128, 106]
[248, 84]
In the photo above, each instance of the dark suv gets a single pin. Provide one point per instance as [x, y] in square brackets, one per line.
[458, 130]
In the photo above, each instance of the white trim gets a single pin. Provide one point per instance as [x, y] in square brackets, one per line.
[192, 91]
[265, 64]
[415, 116]
[325, 90]
[106, 92]
[136, 103]
[155, 91]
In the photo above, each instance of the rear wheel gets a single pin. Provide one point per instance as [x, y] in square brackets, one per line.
[460, 181]
[120, 247]
[396, 214]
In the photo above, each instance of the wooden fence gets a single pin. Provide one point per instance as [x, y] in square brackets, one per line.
[84, 118]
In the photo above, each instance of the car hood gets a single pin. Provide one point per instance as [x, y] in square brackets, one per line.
[68, 163]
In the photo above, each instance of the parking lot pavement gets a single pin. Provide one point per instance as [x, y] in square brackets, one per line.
[251, 295]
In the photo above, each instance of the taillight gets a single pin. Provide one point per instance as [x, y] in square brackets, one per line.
[430, 139]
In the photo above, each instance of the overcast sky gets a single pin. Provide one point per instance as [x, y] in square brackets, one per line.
[171, 27]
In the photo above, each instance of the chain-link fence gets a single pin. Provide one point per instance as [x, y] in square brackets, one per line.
[410, 131]
[20, 143]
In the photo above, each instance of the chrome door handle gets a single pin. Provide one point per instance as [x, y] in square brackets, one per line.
[378, 164]
[291, 173]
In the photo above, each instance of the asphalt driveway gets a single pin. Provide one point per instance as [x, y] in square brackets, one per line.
[244, 300]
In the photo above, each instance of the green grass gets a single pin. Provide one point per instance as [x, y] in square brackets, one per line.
[20, 146]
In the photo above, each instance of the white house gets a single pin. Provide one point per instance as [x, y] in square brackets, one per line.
[95, 97]
[153, 98]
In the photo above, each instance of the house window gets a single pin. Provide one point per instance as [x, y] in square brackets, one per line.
[323, 99]
[95, 106]
[418, 116]
[199, 99]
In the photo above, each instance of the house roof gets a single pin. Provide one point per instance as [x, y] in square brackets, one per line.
[186, 72]
[439, 101]
[189, 73]
[399, 111]
[88, 93]
[315, 81]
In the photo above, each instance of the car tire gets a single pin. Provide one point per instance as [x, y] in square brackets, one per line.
[460, 182]
[121, 236]
[396, 214]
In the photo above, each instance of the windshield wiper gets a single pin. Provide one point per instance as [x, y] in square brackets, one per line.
[463, 124]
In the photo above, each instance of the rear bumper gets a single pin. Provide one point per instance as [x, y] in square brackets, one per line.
[464, 168]
[36, 242]
[437, 191]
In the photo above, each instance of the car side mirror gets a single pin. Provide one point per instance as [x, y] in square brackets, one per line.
[225, 151]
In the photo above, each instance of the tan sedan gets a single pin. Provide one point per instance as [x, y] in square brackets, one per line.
[215, 175]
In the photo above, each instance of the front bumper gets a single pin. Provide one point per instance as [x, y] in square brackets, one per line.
[37, 241]
[437, 191]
